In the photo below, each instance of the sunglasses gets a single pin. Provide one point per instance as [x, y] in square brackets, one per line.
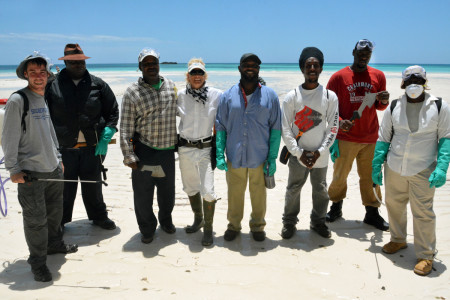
[363, 44]
[197, 72]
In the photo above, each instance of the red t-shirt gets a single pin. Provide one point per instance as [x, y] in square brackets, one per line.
[351, 87]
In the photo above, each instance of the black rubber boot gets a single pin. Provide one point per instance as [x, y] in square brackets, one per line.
[196, 204]
[335, 211]
[208, 208]
[373, 218]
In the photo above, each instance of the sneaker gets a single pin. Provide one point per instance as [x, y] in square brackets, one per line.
[169, 228]
[393, 247]
[230, 235]
[288, 231]
[259, 236]
[146, 239]
[373, 218]
[107, 223]
[322, 230]
[335, 212]
[423, 267]
[42, 274]
[62, 248]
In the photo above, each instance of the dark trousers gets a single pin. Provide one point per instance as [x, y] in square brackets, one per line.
[144, 186]
[82, 163]
[42, 208]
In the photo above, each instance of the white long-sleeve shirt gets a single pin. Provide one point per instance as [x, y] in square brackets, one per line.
[412, 152]
[322, 135]
[197, 120]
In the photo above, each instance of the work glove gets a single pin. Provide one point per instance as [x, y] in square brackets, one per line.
[274, 145]
[379, 156]
[105, 138]
[221, 141]
[334, 150]
[439, 175]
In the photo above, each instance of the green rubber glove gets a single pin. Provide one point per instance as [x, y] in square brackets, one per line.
[439, 175]
[334, 150]
[274, 145]
[221, 142]
[105, 138]
[381, 150]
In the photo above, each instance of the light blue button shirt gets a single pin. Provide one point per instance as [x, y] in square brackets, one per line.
[248, 128]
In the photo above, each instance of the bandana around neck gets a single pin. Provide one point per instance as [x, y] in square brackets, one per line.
[200, 95]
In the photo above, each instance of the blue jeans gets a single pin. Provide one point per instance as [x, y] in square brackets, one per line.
[297, 178]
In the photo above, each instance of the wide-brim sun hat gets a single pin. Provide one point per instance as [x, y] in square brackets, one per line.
[36, 54]
[73, 52]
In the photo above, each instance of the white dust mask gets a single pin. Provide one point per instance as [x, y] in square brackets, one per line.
[414, 90]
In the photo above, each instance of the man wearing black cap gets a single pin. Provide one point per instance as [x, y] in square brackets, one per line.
[310, 124]
[356, 139]
[31, 152]
[248, 125]
[85, 113]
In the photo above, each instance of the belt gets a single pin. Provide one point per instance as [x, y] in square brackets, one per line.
[200, 144]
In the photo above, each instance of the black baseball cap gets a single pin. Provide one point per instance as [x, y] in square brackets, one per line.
[250, 56]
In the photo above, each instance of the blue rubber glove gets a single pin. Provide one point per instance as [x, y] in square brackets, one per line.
[221, 142]
[105, 138]
[439, 175]
[334, 150]
[274, 145]
[379, 156]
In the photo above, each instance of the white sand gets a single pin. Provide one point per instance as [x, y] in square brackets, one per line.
[115, 264]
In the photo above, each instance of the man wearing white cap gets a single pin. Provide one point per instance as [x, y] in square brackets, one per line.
[32, 158]
[148, 136]
[414, 137]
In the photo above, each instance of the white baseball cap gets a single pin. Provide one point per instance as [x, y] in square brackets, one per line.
[148, 52]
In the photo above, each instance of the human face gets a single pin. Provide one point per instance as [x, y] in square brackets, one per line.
[249, 70]
[150, 69]
[312, 70]
[76, 68]
[196, 78]
[361, 59]
[37, 77]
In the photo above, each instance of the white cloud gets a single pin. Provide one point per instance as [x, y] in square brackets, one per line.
[75, 37]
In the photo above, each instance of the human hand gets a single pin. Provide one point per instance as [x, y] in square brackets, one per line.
[272, 167]
[377, 175]
[383, 97]
[18, 177]
[345, 125]
[102, 147]
[221, 164]
[334, 150]
[309, 158]
[437, 178]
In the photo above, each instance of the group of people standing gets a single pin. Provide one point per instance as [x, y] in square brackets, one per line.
[73, 117]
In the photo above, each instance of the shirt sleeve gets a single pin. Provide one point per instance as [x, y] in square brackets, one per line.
[222, 114]
[378, 105]
[12, 130]
[386, 128]
[127, 127]
[287, 119]
[444, 121]
[275, 114]
[332, 122]
[110, 109]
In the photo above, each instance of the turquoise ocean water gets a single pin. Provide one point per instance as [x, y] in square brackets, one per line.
[330, 67]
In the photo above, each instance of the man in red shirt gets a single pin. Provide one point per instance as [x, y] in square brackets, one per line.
[356, 139]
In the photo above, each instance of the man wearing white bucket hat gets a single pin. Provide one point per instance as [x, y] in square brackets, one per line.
[148, 136]
[414, 137]
[31, 152]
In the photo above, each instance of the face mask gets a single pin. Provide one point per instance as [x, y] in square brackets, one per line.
[414, 90]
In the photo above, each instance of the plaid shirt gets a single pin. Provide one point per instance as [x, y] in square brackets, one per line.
[150, 113]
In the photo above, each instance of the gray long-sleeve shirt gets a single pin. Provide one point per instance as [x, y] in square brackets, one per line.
[36, 149]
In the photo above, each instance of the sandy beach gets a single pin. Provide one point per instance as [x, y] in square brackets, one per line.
[115, 264]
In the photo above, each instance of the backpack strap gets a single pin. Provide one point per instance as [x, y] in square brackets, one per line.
[439, 104]
[25, 109]
[393, 104]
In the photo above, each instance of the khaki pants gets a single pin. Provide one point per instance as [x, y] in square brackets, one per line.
[363, 153]
[416, 190]
[237, 184]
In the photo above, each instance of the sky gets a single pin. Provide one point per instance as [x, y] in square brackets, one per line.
[219, 31]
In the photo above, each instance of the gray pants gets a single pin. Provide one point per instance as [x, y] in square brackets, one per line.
[42, 206]
[297, 178]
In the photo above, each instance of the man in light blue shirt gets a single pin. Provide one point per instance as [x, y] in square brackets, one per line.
[248, 125]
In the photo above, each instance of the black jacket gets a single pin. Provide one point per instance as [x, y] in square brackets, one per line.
[89, 106]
